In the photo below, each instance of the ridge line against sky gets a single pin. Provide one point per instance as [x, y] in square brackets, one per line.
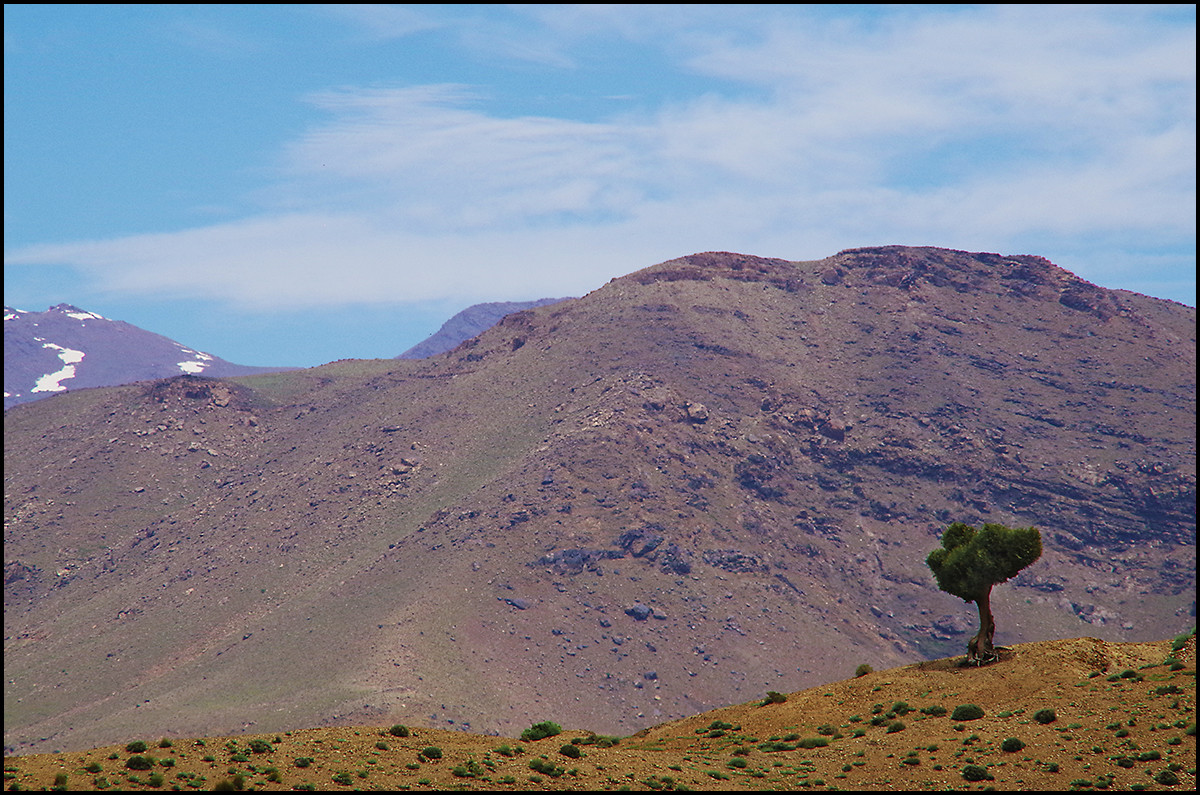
[287, 185]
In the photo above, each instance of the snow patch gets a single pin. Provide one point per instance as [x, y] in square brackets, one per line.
[193, 367]
[86, 316]
[201, 361]
[50, 381]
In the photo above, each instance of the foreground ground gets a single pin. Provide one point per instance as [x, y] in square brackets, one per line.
[1124, 718]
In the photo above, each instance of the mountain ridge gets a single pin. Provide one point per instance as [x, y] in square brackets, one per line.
[683, 487]
[66, 347]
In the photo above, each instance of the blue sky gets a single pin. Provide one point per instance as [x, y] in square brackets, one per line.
[288, 185]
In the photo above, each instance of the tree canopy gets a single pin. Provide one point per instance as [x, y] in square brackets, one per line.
[970, 561]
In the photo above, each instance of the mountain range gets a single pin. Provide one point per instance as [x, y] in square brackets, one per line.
[66, 347]
[713, 477]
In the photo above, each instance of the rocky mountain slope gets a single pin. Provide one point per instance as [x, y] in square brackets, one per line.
[710, 478]
[469, 323]
[66, 347]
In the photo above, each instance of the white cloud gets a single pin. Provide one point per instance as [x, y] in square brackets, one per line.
[1017, 121]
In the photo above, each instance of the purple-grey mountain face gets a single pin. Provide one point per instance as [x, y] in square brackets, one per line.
[468, 323]
[67, 348]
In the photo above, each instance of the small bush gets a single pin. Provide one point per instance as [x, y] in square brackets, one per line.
[901, 708]
[896, 726]
[539, 731]
[774, 698]
[813, 742]
[1012, 745]
[570, 750]
[93, 767]
[863, 670]
[1167, 778]
[259, 746]
[935, 710]
[135, 747]
[1044, 716]
[342, 778]
[432, 752]
[398, 731]
[975, 773]
[546, 767]
[737, 761]
[967, 712]
[139, 762]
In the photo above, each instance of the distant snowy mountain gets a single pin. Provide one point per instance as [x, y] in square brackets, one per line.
[470, 322]
[68, 348]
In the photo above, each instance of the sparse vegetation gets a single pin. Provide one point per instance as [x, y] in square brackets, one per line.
[1145, 735]
[1045, 716]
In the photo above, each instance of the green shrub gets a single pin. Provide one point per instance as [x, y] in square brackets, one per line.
[813, 742]
[863, 670]
[896, 726]
[139, 762]
[398, 731]
[1012, 745]
[1044, 716]
[259, 746]
[975, 773]
[737, 761]
[901, 708]
[570, 750]
[60, 780]
[545, 766]
[432, 752]
[93, 767]
[540, 731]
[1167, 778]
[342, 778]
[774, 698]
[967, 712]
[135, 747]
[934, 710]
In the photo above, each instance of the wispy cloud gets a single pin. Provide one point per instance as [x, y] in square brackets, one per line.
[988, 127]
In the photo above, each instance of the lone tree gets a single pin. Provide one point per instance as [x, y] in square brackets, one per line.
[971, 561]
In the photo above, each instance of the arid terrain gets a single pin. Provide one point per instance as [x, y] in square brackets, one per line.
[711, 478]
[1123, 718]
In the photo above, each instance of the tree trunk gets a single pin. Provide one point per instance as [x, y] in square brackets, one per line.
[980, 650]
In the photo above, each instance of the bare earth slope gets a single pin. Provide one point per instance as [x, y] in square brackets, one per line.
[1121, 719]
[711, 478]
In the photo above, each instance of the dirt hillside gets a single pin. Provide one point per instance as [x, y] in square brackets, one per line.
[1123, 717]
